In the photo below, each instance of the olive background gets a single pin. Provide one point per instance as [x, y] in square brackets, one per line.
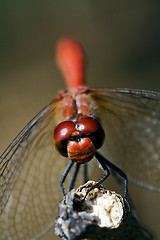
[122, 44]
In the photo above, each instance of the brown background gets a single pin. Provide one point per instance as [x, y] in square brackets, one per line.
[122, 42]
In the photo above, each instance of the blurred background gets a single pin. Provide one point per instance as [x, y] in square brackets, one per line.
[122, 43]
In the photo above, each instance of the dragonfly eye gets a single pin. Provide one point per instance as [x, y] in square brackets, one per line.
[61, 134]
[93, 129]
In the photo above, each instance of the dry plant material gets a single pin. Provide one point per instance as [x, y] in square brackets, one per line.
[106, 206]
[102, 215]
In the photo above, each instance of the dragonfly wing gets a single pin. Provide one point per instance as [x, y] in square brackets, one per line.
[131, 120]
[30, 170]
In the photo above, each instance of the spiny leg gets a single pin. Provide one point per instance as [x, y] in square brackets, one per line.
[117, 171]
[107, 171]
[76, 169]
[85, 172]
[65, 175]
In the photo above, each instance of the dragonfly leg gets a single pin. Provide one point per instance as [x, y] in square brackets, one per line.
[65, 175]
[119, 172]
[74, 176]
[107, 171]
[85, 172]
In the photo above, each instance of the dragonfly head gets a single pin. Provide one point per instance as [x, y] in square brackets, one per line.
[79, 139]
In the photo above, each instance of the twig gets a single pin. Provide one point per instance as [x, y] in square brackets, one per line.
[102, 215]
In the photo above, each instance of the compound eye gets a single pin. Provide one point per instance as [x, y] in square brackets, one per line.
[61, 134]
[87, 125]
[92, 128]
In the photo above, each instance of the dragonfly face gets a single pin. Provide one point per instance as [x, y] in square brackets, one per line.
[30, 168]
[78, 140]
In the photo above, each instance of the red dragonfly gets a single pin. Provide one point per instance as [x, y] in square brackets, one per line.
[75, 124]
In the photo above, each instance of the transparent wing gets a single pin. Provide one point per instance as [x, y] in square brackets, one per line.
[30, 170]
[131, 119]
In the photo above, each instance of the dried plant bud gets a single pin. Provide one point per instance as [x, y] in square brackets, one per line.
[102, 215]
[105, 205]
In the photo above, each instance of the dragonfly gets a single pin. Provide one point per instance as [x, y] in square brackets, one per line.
[119, 125]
